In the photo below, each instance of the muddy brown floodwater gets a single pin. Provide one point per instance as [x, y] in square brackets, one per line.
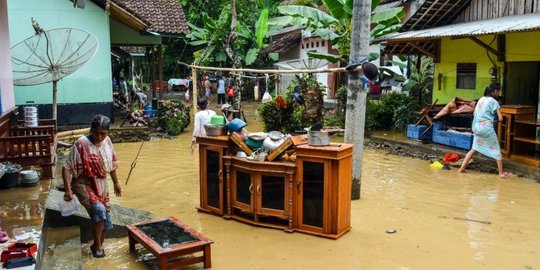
[443, 220]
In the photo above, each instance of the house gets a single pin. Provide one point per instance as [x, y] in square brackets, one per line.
[88, 90]
[293, 45]
[474, 43]
[7, 100]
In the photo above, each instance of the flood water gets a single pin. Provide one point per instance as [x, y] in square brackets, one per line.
[443, 220]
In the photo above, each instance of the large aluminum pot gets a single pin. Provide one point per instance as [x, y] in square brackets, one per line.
[215, 130]
[318, 138]
[274, 140]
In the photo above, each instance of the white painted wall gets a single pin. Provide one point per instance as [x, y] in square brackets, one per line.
[6, 78]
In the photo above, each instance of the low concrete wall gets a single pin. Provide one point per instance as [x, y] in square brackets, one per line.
[120, 216]
[436, 152]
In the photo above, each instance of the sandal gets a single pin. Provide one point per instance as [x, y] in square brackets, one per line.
[97, 253]
[3, 236]
[506, 174]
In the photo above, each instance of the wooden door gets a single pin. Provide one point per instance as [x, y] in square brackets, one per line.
[272, 194]
[242, 188]
[311, 188]
[212, 187]
[504, 133]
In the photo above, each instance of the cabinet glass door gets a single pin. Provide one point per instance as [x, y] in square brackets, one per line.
[272, 192]
[243, 188]
[213, 193]
[312, 194]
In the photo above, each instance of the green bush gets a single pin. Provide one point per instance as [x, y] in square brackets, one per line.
[392, 111]
[284, 120]
[173, 117]
[295, 116]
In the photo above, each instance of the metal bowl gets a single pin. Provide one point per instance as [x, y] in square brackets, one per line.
[215, 130]
[29, 178]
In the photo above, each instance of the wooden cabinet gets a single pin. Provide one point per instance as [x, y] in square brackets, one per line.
[310, 195]
[324, 189]
[211, 168]
[261, 192]
[526, 142]
[506, 129]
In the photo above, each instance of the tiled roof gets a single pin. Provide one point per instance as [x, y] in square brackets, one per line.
[164, 16]
[285, 42]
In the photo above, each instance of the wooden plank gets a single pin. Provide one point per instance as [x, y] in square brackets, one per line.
[528, 140]
[520, 7]
[511, 7]
[240, 142]
[299, 139]
[485, 9]
[280, 150]
[528, 6]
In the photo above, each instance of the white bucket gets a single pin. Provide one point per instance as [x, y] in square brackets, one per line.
[30, 109]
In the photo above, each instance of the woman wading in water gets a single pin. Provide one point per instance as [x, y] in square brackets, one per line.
[85, 175]
[485, 139]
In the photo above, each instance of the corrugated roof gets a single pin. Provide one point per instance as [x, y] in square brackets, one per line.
[508, 24]
[433, 13]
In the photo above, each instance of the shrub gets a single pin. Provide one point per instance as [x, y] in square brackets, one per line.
[173, 117]
[284, 120]
[392, 111]
[295, 116]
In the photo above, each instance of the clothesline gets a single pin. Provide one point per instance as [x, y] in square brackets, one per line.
[270, 71]
[252, 77]
[263, 71]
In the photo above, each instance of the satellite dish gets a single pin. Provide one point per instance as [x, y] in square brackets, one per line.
[50, 56]
[304, 63]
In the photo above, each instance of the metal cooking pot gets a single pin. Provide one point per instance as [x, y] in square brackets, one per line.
[215, 130]
[29, 178]
[318, 138]
[270, 144]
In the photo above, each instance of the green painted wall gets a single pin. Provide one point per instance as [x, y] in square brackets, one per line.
[462, 51]
[522, 47]
[466, 51]
[123, 35]
[92, 82]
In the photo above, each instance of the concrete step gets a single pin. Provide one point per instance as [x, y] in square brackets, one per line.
[120, 216]
[60, 248]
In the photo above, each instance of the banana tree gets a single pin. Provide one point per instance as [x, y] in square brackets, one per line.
[336, 24]
[228, 38]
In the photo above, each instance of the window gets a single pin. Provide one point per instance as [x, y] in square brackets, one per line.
[322, 43]
[317, 44]
[466, 76]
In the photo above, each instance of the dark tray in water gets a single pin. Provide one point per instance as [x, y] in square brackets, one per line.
[166, 233]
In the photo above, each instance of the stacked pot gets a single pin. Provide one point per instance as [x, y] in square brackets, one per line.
[30, 116]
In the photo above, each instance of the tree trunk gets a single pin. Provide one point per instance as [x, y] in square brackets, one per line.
[160, 71]
[355, 117]
[237, 63]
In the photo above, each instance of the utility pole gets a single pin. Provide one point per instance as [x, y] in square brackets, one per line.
[355, 118]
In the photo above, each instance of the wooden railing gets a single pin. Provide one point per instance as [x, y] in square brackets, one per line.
[30, 146]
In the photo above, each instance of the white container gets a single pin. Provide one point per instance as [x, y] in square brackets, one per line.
[30, 109]
[30, 114]
[68, 208]
[31, 122]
